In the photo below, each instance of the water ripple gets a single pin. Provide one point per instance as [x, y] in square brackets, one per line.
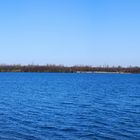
[69, 106]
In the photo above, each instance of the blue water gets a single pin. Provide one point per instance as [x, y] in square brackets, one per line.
[50, 106]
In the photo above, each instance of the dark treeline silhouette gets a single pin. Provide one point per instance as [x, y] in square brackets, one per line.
[70, 69]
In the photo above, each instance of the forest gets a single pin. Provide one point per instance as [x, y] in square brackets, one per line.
[68, 69]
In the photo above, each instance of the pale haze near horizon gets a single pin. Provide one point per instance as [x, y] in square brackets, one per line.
[70, 32]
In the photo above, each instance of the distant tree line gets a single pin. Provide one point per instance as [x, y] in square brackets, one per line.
[67, 69]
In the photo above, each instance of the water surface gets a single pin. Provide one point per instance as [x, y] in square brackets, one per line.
[59, 106]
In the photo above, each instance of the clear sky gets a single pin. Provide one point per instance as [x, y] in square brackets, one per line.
[69, 32]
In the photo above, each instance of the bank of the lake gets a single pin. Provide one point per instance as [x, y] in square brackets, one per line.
[68, 69]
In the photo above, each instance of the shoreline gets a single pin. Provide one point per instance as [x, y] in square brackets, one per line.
[69, 69]
[69, 72]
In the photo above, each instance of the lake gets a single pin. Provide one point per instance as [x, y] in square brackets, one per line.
[62, 106]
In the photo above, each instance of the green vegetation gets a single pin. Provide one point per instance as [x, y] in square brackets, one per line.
[70, 69]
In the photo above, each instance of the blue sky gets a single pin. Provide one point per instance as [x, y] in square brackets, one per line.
[69, 32]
